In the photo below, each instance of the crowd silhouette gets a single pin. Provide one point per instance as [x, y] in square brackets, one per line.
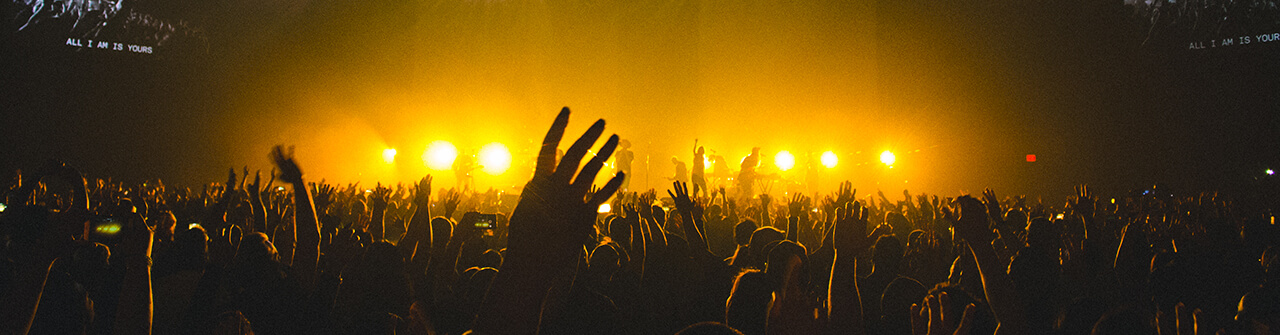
[293, 256]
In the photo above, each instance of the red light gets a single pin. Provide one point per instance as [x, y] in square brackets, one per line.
[1031, 158]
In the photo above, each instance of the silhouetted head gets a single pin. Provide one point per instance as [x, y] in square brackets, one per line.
[659, 214]
[1042, 233]
[441, 230]
[256, 247]
[488, 259]
[1260, 306]
[788, 263]
[165, 223]
[604, 261]
[748, 305]
[760, 239]
[618, 231]
[887, 253]
[743, 231]
[625, 144]
[1015, 217]
[895, 303]
[477, 284]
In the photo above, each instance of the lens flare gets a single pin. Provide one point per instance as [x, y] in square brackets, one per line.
[888, 158]
[829, 159]
[784, 160]
[440, 155]
[389, 155]
[495, 158]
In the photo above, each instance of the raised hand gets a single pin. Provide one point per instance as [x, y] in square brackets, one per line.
[246, 177]
[380, 197]
[256, 186]
[289, 171]
[692, 213]
[851, 229]
[323, 196]
[972, 225]
[378, 202]
[548, 229]
[1084, 204]
[993, 205]
[231, 179]
[451, 200]
[422, 192]
[645, 204]
[935, 316]
[845, 194]
[255, 202]
[795, 207]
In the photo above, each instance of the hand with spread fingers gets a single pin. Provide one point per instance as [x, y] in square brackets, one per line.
[549, 227]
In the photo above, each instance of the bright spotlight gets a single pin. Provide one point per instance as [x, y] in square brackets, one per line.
[784, 160]
[706, 162]
[829, 159]
[440, 155]
[888, 158]
[604, 208]
[389, 155]
[495, 158]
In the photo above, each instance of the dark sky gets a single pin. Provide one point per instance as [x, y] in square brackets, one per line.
[973, 85]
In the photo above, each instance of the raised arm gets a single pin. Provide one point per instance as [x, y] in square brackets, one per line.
[378, 201]
[255, 203]
[306, 228]
[697, 239]
[412, 245]
[844, 301]
[549, 227]
[134, 313]
[973, 228]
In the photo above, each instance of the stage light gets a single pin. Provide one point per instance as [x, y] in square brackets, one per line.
[1031, 158]
[440, 155]
[1270, 172]
[829, 159]
[888, 158]
[784, 160]
[389, 156]
[495, 158]
[706, 162]
[604, 208]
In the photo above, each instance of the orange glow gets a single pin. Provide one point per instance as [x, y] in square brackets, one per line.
[829, 159]
[440, 155]
[389, 155]
[784, 160]
[888, 158]
[495, 158]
